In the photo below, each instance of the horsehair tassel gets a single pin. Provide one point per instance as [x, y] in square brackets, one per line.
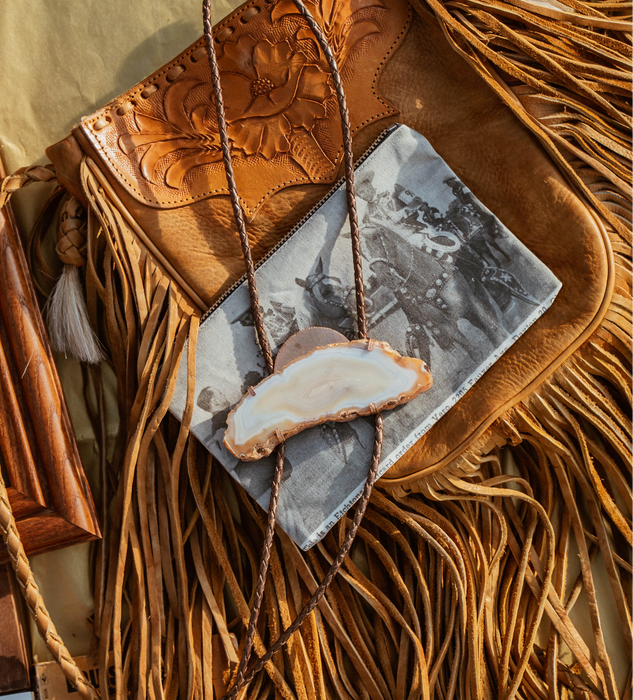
[35, 603]
[67, 316]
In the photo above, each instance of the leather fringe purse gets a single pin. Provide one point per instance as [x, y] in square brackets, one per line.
[468, 544]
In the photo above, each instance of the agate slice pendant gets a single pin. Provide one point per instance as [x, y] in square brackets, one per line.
[318, 380]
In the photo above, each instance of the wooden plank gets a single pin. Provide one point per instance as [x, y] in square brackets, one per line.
[48, 489]
[14, 657]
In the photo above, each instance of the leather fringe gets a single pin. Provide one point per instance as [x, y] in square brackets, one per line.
[571, 443]
[465, 584]
[461, 586]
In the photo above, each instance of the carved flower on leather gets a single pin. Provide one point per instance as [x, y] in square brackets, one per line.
[270, 90]
[168, 149]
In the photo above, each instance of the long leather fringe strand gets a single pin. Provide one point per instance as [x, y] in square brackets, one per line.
[465, 585]
[447, 591]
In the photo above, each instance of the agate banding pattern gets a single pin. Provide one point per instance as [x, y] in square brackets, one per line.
[337, 382]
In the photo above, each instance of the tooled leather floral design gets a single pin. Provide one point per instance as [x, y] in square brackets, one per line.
[282, 117]
[175, 145]
[345, 23]
[274, 89]
[276, 93]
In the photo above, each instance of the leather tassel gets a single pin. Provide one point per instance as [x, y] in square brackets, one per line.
[67, 319]
[67, 316]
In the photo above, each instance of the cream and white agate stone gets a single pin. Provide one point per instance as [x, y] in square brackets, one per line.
[337, 382]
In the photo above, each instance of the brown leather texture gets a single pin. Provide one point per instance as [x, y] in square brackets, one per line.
[161, 139]
[432, 89]
[509, 171]
[272, 176]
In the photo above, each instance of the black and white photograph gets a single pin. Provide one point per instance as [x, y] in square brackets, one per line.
[445, 281]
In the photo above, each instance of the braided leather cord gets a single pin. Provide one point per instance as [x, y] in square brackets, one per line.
[259, 327]
[71, 235]
[240, 682]
[243, 676]
[348, 160]
[22, 178]
[35, 603]
[230, 177]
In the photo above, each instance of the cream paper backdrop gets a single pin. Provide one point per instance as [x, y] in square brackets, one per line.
[61, 60]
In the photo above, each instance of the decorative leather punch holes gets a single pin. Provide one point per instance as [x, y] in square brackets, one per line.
[294, 140]
[249, 14]
[224, 34]
[174, 73]
[149, 90]
[199, 54]
[101, 123]
[125, 108]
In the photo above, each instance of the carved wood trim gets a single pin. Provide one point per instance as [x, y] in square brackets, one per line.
[47, 487]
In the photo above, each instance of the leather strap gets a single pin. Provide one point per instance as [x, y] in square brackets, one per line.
[22, 178]
[242, 677]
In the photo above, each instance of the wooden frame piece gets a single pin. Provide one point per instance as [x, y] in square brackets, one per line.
[15, 658]
[47, 487]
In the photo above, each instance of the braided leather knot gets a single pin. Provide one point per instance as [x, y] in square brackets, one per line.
[24, 177]
[71, 235]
